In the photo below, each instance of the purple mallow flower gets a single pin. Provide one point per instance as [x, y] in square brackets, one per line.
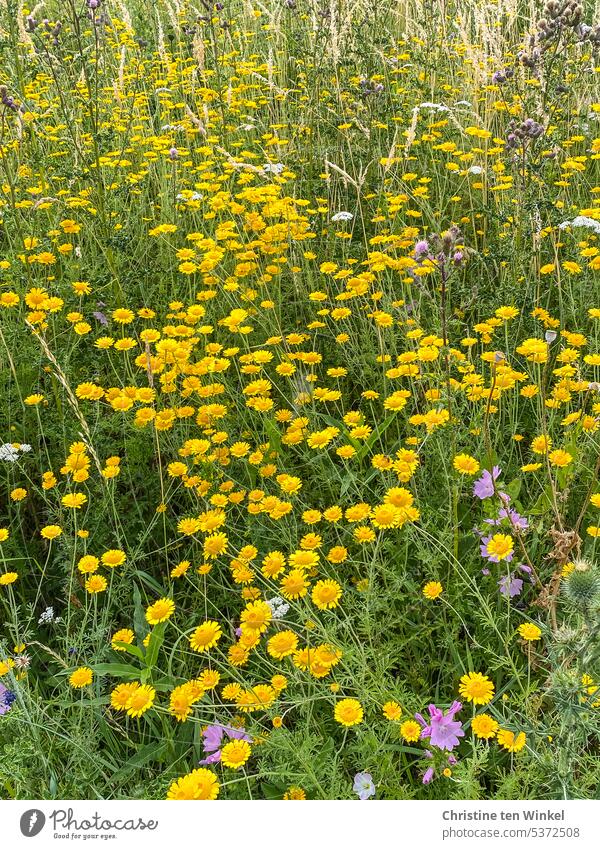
[363, 785]
[443, 730]
[510, 586]
[428, 775]
[213, 741]
[484, 486]
[515, 519]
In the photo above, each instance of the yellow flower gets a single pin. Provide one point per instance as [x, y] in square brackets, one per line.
[121, 693]
[476, 688]
[256, 616]
[114, 557]
[541, 444]
[8, 578]
[348, 712]
[205, 636]
[198, 784]
[34, 399]
[160, 611]
[484, 726]
[410, 730]
[432, 590]
[140, 700]
[96, 584]
[560, 458]
[326, 594]
[465, 464]
[82, 677]
[125, 635]
[534, 350]
[392, 711]
[282, 644]
[529, 631]
[4, 534]
[51, 531]
[294, 793]
[74, 500]
[500, 547]
[510, 741]
[235, 754]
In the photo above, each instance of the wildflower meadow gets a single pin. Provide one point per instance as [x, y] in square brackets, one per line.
[300, 399]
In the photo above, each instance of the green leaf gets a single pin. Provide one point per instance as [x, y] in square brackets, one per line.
[397, 747]
[151, 752]
[118, 670]
[139, 614]
[543, 504]
[157, 636]
[273, 434]
[514, 488]
[154, 585]
[379, 431]
[271, 791]
[134, 650]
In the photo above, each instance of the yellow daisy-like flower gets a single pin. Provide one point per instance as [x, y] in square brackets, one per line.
[282, 644]
[140, 700]
[96, 584]
[392, 711]
[114, 557]
[199, 784]
[500, 547]
[121, 695]
[410, 730]
[529, 631]
[476, 688]
[465, 464]
[8, 578]
[326, 594]
[125, 635]
[432, 590]
[82, 677]
[51, 531]
[484, 726]
[560, 458]
[160, 611]
[348, 712]
[206, 636]
[256, 616]
[76, 500]
[235, 754]
[294, 793]
[510, 741]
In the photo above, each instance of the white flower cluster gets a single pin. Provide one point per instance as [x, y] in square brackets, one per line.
[581, 221]
[437, 107]
[276, 169]
[342, 216]
[48, 616]
[278, 606]
[193, 196]
[10, 451]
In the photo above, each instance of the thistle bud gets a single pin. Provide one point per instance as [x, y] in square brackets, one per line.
[582, 585]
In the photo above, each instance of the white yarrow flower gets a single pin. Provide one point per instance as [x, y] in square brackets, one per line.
[273, 168]
[342, 216]
[581, 221]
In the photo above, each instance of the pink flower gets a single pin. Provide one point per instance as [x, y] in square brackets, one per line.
[443, 730]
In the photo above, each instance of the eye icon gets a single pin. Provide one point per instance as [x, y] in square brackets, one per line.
[32, 822]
